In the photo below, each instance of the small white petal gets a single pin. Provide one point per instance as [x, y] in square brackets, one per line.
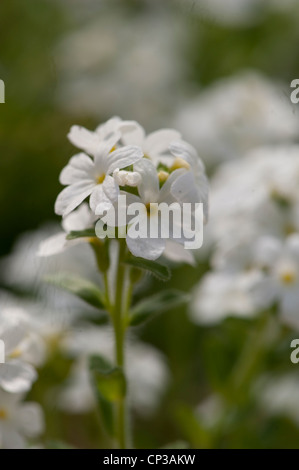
[16, 376]
[158, 142]
[84, 139]
[71, 196]
[149, 185]
[80, 167]
[148, 248]
[123, 157]
[177, 253]
[52, 245]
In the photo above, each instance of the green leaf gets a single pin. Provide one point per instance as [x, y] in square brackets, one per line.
[158, 303]
[82, 288]
[89, 232]
[110, 387]
[110, 381]
[160, 271]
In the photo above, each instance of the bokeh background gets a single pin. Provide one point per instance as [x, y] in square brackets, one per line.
[220, 72]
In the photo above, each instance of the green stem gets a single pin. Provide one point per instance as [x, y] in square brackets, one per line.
[107, 291]
[119, 331]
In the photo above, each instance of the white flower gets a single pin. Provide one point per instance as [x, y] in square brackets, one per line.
[223, 294]
[154, 145]
[16, 375]
[237, 114]
[18, 421]
[86, 177]
[179, 187]
[91, 141]
[100, 75]
[279, 395]
[279, 281]
[256, 195]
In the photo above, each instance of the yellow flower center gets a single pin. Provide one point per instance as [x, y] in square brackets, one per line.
[288, 277]
[3, 413]
[101, 178]
[163, 175]
[15, 353]
[179, 163]
[151, 210]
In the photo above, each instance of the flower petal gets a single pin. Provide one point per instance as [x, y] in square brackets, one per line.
[149, 186]
[176, 252]
[16, 376]
[135, 136]
[80, 167]
[80, 219]
[84, 139]
[158, 142]
[148, 248]
[71, 196]
[123, 157]
[98, 201]
[52, 245]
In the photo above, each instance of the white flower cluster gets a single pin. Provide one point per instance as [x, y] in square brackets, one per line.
[118, 158]
[237, 114]
[254, 225]
[19, 420]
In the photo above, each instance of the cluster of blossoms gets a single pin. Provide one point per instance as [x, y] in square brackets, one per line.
[118, 158]
[19, 420]
[94, 60]
[254, 227]
[237, 114]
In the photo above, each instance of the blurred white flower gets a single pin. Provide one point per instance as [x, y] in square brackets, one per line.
[256, 195]
[16, 375]
[223, 294]
[237, 114]
[279, 395]
[19, 421]
[238, 13]
[25, 271]
[254, 232]
[146, 370]
[124, 63]
[279, 282]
